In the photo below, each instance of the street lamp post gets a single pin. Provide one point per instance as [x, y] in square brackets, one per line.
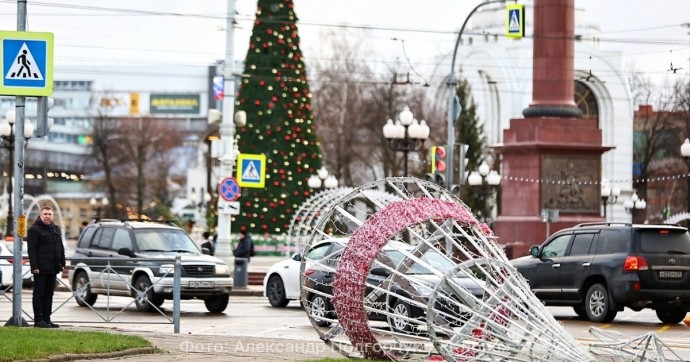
[98, 206]
[406, 134]
[685, 152]
[484, 182]
[633, 205]
[454, 108]
[7, 136]
[322, 178]
[609, 195]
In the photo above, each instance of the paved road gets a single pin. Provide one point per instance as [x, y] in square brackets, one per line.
[250, 329]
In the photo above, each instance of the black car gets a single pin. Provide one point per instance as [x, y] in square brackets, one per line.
[318, 279]
[108, 261]
[601, 268]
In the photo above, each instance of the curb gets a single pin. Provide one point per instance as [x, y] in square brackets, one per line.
[104, 355]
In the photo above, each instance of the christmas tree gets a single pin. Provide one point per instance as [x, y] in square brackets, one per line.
[275, 95]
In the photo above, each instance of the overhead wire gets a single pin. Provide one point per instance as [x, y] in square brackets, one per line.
[680, 43]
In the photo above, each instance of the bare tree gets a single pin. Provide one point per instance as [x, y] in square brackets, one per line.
[342, 108]
[104, 130]
[145, 146]
[656, 140]
[351, 105]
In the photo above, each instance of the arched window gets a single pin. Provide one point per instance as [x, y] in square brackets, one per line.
[586, 101]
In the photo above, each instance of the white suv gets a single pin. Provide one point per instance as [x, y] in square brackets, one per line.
[119, 258]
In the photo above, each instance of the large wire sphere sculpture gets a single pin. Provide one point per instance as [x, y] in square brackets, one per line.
[417, 277]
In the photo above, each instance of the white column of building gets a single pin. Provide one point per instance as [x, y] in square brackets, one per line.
[227, 134]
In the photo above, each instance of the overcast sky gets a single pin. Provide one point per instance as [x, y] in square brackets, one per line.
[192, 33]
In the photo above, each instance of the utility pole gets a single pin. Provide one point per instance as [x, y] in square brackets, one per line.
[227, 135]
[18, 164]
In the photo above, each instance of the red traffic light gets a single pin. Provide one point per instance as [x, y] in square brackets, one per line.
[438, 154]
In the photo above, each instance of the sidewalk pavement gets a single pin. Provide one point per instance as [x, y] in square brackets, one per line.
[187, 347]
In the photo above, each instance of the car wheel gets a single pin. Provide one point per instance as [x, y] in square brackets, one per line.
[217, 303]
[82, 290]
[580, 311]
[275, 291]
[670, 315]
[598, 306]
[320, 309]
[145, 299]
[398, 321]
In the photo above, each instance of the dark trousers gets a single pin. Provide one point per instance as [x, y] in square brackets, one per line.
[44, 288]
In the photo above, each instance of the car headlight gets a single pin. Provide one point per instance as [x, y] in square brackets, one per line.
[222, 269]
[166, 269]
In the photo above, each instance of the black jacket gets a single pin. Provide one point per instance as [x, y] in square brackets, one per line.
[244, 247]
[46, 252]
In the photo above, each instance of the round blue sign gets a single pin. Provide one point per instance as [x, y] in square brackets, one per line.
[229, 189]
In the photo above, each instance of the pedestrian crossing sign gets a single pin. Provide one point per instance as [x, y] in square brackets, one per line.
[251, 170]
[515, 23]
[26, 62]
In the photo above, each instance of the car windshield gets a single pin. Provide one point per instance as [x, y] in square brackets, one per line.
[164, 240]
[430, 258]
[664, 241]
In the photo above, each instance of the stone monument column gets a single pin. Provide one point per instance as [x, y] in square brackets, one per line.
[552, 157]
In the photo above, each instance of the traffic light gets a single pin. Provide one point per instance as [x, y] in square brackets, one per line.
[438, 156]
[440, 179]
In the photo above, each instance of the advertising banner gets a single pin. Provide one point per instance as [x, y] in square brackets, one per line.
[174, 103]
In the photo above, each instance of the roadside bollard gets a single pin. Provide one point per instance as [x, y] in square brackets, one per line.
[240, 272]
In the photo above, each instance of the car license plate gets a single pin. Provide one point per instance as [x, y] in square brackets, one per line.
[670, 274]
[194, 284]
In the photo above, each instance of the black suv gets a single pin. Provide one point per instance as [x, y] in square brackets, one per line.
[600, 268]
[150, 282]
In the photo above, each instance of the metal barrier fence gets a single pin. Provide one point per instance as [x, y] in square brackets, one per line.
[109, 272]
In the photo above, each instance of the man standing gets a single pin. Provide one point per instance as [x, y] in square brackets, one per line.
[47, 258]
[244, 246]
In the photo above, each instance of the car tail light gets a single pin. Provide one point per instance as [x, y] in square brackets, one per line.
[636, 286]
[309, 272]
[635, 263]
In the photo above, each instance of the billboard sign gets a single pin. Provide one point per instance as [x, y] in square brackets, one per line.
[186, 103]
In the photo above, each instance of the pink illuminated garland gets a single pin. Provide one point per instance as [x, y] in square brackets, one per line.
[361, 250]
